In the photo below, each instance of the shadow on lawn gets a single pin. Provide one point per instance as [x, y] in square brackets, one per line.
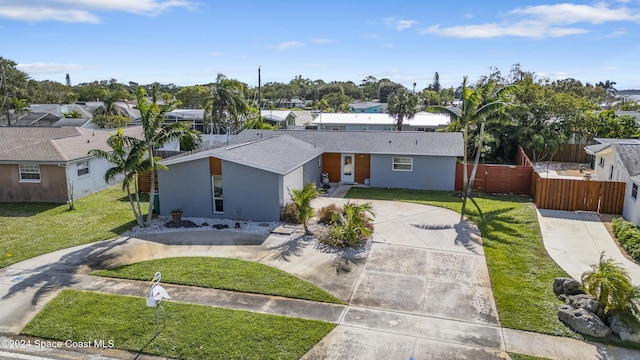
[26, 209]
[59, 274]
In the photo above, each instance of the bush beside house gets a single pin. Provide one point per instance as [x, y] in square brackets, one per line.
[628, 234]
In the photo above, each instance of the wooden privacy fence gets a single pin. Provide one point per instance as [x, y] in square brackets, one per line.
[573, 153]
[572, 195]
[144, 181]
[499, 179]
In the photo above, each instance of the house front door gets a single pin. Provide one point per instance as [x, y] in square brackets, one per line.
[348, 168]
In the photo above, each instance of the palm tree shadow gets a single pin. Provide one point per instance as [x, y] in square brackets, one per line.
[58, 275]
[288, 248]
[467, 234]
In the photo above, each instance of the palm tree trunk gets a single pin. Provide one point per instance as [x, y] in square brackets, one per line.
[476, 161]
[133, 207]
[152, 187]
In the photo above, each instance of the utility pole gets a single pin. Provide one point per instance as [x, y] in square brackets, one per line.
[259, 98]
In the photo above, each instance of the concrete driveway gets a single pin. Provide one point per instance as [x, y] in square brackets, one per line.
[424, 291]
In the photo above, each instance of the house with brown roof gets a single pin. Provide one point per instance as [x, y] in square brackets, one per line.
[51, 164]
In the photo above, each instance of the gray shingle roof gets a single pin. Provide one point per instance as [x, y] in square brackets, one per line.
[53, 145]
[278, 154]
[372, 142]
[629, 156]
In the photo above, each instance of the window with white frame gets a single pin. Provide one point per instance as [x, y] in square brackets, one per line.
[601, 162]
[29, 173]
[83, 168]
[218, 203]
[634, 191]
[402, 163]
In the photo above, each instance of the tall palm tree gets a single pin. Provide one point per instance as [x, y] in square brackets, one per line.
[127, 156]
[402, 105]
[155, 135]
[610, 283]
[485, 103]
[302, 199]
[226, 107]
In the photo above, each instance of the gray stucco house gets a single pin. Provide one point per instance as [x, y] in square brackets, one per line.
[250, 178]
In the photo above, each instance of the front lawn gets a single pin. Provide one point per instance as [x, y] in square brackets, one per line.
[192, 332]
[223, 273]
[521, 271]
[32, 229]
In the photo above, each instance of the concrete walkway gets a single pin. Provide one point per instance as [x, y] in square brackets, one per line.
[574, 240]
[423, 292]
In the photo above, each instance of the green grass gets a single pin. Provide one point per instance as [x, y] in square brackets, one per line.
[223, 273]
[521, 271]
[32, 229]
[192, 332]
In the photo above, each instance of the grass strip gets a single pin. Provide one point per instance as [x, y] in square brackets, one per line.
[521, 271]
[33, 229]
[192, 331]
[223, 273]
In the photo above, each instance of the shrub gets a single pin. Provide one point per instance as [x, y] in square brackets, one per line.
[289, 214]
[350, 227]
[628, 234]
[326, 213]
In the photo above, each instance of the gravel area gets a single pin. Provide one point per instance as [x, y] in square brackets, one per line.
[164, 224]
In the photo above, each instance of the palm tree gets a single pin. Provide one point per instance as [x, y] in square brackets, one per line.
[402, 105]
[109, 114]
[479, 106]
[611, 285]
[127, 157]
[353, 223]
[302, 199]
[226, 106]
[155, 135]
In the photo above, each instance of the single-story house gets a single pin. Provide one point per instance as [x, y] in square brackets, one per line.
[619, 160]
[368, 107]
[51, 164]
[251, 178]
[422, 121]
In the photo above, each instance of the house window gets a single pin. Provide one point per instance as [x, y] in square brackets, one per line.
[601, 162]
[218, 207]
[83, 168]
[611, 173]
[402, 163]
[634, 191]
[30, 173]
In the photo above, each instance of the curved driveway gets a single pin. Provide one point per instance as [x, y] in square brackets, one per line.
[423, 292]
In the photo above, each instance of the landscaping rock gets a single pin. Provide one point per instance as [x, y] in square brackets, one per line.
[584, 301]
[582, 321]
[567, 286]
[625, 328]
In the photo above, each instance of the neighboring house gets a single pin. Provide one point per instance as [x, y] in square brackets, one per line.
[282, 119]
[368, 107]
[423, 121]
[51, 164]
[250, 179]
[619, 160]
[53, 115]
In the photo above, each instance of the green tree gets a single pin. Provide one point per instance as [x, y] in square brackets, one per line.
[193, 97]
[13, 85]
[21, 107]
[156, 135]
[402, 105]
[302, 199]
[486, 103]
[128, 159]
[352, 226]
[226, 107]
[75, 114]
[338, 101]
[611, 285]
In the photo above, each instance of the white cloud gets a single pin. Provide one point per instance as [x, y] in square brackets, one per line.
[323, 41]
[399, 24]
[288, 45]
[216, 53]
[542, 21]
[84, 11]
[389, 45]
[48, 68]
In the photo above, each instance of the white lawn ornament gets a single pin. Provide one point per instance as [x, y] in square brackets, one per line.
[155, 296]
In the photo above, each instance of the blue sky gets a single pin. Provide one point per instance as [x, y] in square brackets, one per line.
[188, 42]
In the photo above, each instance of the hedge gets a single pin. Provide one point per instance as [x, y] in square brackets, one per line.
[628, 234]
